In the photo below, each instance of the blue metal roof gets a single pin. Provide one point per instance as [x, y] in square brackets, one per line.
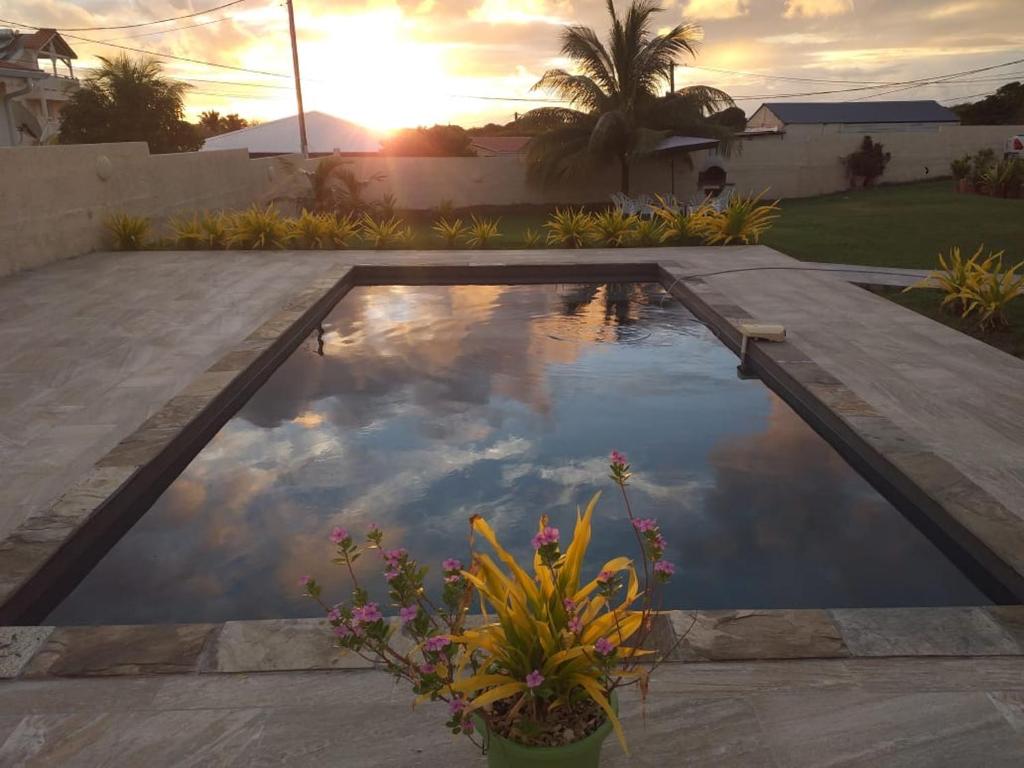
[861, 112]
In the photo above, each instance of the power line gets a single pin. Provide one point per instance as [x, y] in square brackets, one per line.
[786, 77]
[170, 29]
[137, 25]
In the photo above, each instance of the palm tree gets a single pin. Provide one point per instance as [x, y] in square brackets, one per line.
[617, 110]
[211, 121]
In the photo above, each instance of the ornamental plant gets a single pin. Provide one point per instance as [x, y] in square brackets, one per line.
[540, 664]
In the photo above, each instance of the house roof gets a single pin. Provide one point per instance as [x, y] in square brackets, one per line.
[500, 145]
[685, 144]
[861, 112]
[39, 39]
[325, 134]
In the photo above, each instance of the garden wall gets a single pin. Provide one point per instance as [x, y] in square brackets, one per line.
[53, 199]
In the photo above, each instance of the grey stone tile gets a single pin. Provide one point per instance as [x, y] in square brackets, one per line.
[63, 695]
[264, 646]
[1011, 706]
[929, 673]
[866, 729]
[121, 650]
[140, 447]
[739, 635]
[17, 645]
[923, 632]
[155, 739]
[177, 412]
[1010, 618]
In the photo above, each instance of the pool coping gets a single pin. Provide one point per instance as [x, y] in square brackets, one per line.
[296, 645]
[50, 547]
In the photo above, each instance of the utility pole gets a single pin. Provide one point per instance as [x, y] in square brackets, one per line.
[672, 78]
[303, 143]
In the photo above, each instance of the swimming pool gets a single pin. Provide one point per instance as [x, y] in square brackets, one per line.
[417, 406]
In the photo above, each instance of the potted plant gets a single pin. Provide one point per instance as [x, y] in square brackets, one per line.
[961, 169]
[532, 680]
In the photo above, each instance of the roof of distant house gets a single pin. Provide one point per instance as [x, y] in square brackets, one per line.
[499, 145]
[41, 37]
[861, 112]
[325, 133]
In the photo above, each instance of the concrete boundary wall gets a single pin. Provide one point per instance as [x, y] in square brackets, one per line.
[53, 199]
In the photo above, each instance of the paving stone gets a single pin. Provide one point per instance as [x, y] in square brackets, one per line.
[120, 650]
[1011, 619]
[1011, 706]
[17, 645]
[737, 635]
[285, 644]
[923, 632]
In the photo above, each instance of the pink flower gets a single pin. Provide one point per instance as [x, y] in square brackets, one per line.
[427, 669]
[342, 631]
[393, 556]
[408, 613]
[436, 644]
[604, 647]
[547, 536]
[575, 625]
[618, 458]
[604, 577]
[304, 580]
[451, 564]
[569, 605]
[453, 578]
[467, 726]
[534, 679]
[664, 568]
[391, 574]
[645, 525]
[333, 615]
[367, 614]
[455, 706]
[338, 535]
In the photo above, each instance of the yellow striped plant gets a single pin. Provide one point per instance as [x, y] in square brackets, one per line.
[547, 651]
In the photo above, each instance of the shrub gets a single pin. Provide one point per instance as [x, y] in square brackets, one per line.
[571, 228]
[680, 226]
[481, 232]
[612, 229]
[745, 219]
[953, 277]
[1003, 179]
[990, 290]
[450, 231]
[532, 238]
[648, 232]
[215, 229]
[391, 232]
[127, 232]
[867, 163]
[258, 228]
[385, 206]
[982, 161]
[312, 230]
[343, 229]
[960, 168]
[187, 232]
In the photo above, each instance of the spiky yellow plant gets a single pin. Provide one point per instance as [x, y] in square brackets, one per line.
[679, 224]
[745, 219]
[343, 230]
[571, 228]
[258, 228]
[451, 231]
[312, 231]
[648, 233]
[955, 276]
[990, 291]
[391, 232]
[482, 231]
[127, 232]
[612, 229]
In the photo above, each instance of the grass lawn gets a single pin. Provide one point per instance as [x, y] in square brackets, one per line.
[904, 225]
[926, 302]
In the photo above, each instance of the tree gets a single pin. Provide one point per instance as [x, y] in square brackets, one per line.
[437, 141]
[617, 111]
[129, 100]
[233, 122]
[1004, 107]
[210, 122]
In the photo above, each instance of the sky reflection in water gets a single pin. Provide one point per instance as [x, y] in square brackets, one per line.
[433, 403]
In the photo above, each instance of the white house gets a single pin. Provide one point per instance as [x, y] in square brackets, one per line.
[852, 116]
[31, 97]
[325, 133]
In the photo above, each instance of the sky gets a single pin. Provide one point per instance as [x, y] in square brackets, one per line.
[400, 63]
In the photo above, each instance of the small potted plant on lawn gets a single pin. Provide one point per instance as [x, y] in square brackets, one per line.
[532, 679]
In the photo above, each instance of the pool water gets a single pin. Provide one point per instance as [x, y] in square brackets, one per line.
[419, 406]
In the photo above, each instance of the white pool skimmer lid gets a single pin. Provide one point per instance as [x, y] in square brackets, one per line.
[758, 332]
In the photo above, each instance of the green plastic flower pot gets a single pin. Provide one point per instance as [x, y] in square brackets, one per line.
[585, 753]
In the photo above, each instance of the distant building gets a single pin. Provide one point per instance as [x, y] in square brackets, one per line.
[493, 146]
[31, 97]
[852, 116]
[326, 134]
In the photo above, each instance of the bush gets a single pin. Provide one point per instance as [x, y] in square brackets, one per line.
[127, 232]
[312, 230]
[571, 228]
[391, 232]
[867, 163]
[259, 229]
[450, 231]
[481, 232]
[648, 232]
[680, 226]
[612, 229]
[744, 219]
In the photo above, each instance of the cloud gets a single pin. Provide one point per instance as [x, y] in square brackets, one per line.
[716, 9]
[810, 8]
[797, 38]
[954, 9]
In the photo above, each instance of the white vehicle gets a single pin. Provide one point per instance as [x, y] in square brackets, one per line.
[1014, 147]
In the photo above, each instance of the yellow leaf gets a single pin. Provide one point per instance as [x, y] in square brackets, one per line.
[476, 682]
[495, 694]
[593, 689]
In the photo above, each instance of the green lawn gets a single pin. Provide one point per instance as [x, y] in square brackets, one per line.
[926, 302]
[899, 226]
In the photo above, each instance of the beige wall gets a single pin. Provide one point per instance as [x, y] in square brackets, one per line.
[53, 199]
